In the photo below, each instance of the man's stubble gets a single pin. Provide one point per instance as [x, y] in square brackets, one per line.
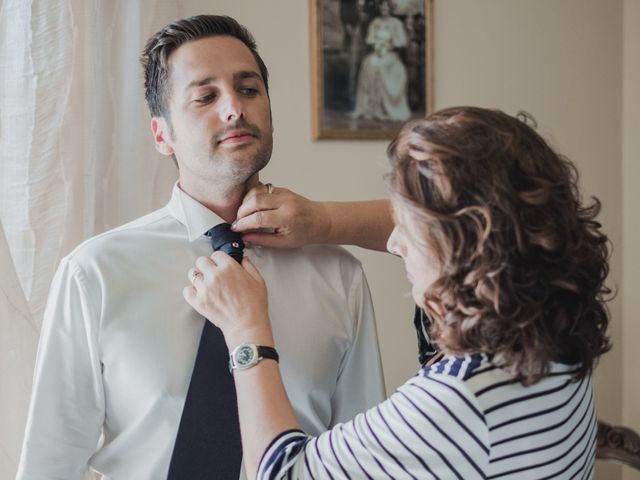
[239, 172]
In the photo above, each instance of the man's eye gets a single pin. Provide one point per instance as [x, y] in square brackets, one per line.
[206, 98]
[248, 91]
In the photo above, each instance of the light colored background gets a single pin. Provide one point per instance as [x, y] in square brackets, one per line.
[573, 64]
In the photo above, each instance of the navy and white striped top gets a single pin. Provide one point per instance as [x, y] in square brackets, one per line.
[460, 418]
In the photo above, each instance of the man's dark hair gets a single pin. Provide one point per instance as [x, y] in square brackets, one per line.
[156, 53]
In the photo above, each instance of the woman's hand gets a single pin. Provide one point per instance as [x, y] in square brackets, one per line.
[277, 217]
[232, 296]
[281, 219]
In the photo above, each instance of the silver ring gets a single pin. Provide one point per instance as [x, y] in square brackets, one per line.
[194, 275]
[270, 188]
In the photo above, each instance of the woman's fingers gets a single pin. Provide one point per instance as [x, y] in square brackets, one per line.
[205, 265]
[252, 270]
[190, 294]
[231, 295]
[221, 259]
[265, 239]
[258, 220]
[258, 199]
[194, 275]
[282, 219]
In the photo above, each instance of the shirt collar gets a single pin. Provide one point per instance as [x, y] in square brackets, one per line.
[191, 213]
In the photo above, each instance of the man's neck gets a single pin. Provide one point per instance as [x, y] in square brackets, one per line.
[223, 200]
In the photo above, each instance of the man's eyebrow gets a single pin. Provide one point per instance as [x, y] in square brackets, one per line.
[200, 83]
[244, 74]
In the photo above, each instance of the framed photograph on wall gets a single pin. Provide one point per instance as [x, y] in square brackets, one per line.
[371, 66]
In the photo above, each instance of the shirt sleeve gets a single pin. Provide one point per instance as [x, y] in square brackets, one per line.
[66, 411]
[360, 383]
[430, 428]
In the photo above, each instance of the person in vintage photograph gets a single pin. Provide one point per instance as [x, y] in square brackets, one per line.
[382, 83]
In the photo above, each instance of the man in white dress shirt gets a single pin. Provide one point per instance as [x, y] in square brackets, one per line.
[118, 340]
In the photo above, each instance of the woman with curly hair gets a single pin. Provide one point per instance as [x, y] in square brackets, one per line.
[509, 265]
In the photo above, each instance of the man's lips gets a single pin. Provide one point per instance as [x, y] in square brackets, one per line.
[237, 136]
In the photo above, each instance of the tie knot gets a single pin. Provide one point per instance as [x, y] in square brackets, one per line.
[225, 239]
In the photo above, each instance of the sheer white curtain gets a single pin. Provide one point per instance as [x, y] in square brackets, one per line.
[76, 158]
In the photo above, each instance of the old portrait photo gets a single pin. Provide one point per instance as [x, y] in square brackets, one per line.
[370, 66]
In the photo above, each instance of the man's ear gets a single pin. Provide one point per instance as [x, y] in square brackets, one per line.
[161, 135]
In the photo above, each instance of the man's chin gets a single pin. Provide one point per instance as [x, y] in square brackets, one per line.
[249, 158]
[242, 169]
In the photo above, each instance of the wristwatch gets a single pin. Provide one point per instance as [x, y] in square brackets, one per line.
[246, 355]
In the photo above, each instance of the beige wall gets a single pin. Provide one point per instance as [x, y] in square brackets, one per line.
[560, 60]
[630, 216]
[568, 62]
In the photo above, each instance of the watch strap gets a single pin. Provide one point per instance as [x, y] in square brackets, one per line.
[268, 352]
[261, 351]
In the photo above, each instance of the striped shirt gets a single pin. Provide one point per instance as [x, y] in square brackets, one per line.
[461, 418]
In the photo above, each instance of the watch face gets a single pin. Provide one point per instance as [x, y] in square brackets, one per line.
[245, 356]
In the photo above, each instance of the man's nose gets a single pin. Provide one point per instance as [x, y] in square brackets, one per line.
[232, 107]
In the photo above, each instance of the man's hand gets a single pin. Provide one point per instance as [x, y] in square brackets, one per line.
[281, 219]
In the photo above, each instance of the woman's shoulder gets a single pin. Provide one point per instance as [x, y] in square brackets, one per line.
[487, 386]
[446, 382]
[481, 367]
[442, 400]
[462, 367]
[449, 378]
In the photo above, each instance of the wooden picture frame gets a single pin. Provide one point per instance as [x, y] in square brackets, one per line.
[371, 66]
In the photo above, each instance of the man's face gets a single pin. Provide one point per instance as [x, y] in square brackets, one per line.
[220, 119]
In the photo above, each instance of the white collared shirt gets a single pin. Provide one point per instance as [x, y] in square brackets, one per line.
[118, 344]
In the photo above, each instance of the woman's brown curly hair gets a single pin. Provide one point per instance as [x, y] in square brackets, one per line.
[523, 261]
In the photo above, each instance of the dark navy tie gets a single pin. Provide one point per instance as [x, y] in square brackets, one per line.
[208, 443]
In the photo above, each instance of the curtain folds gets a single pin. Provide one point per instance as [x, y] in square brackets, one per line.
[76, 158]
